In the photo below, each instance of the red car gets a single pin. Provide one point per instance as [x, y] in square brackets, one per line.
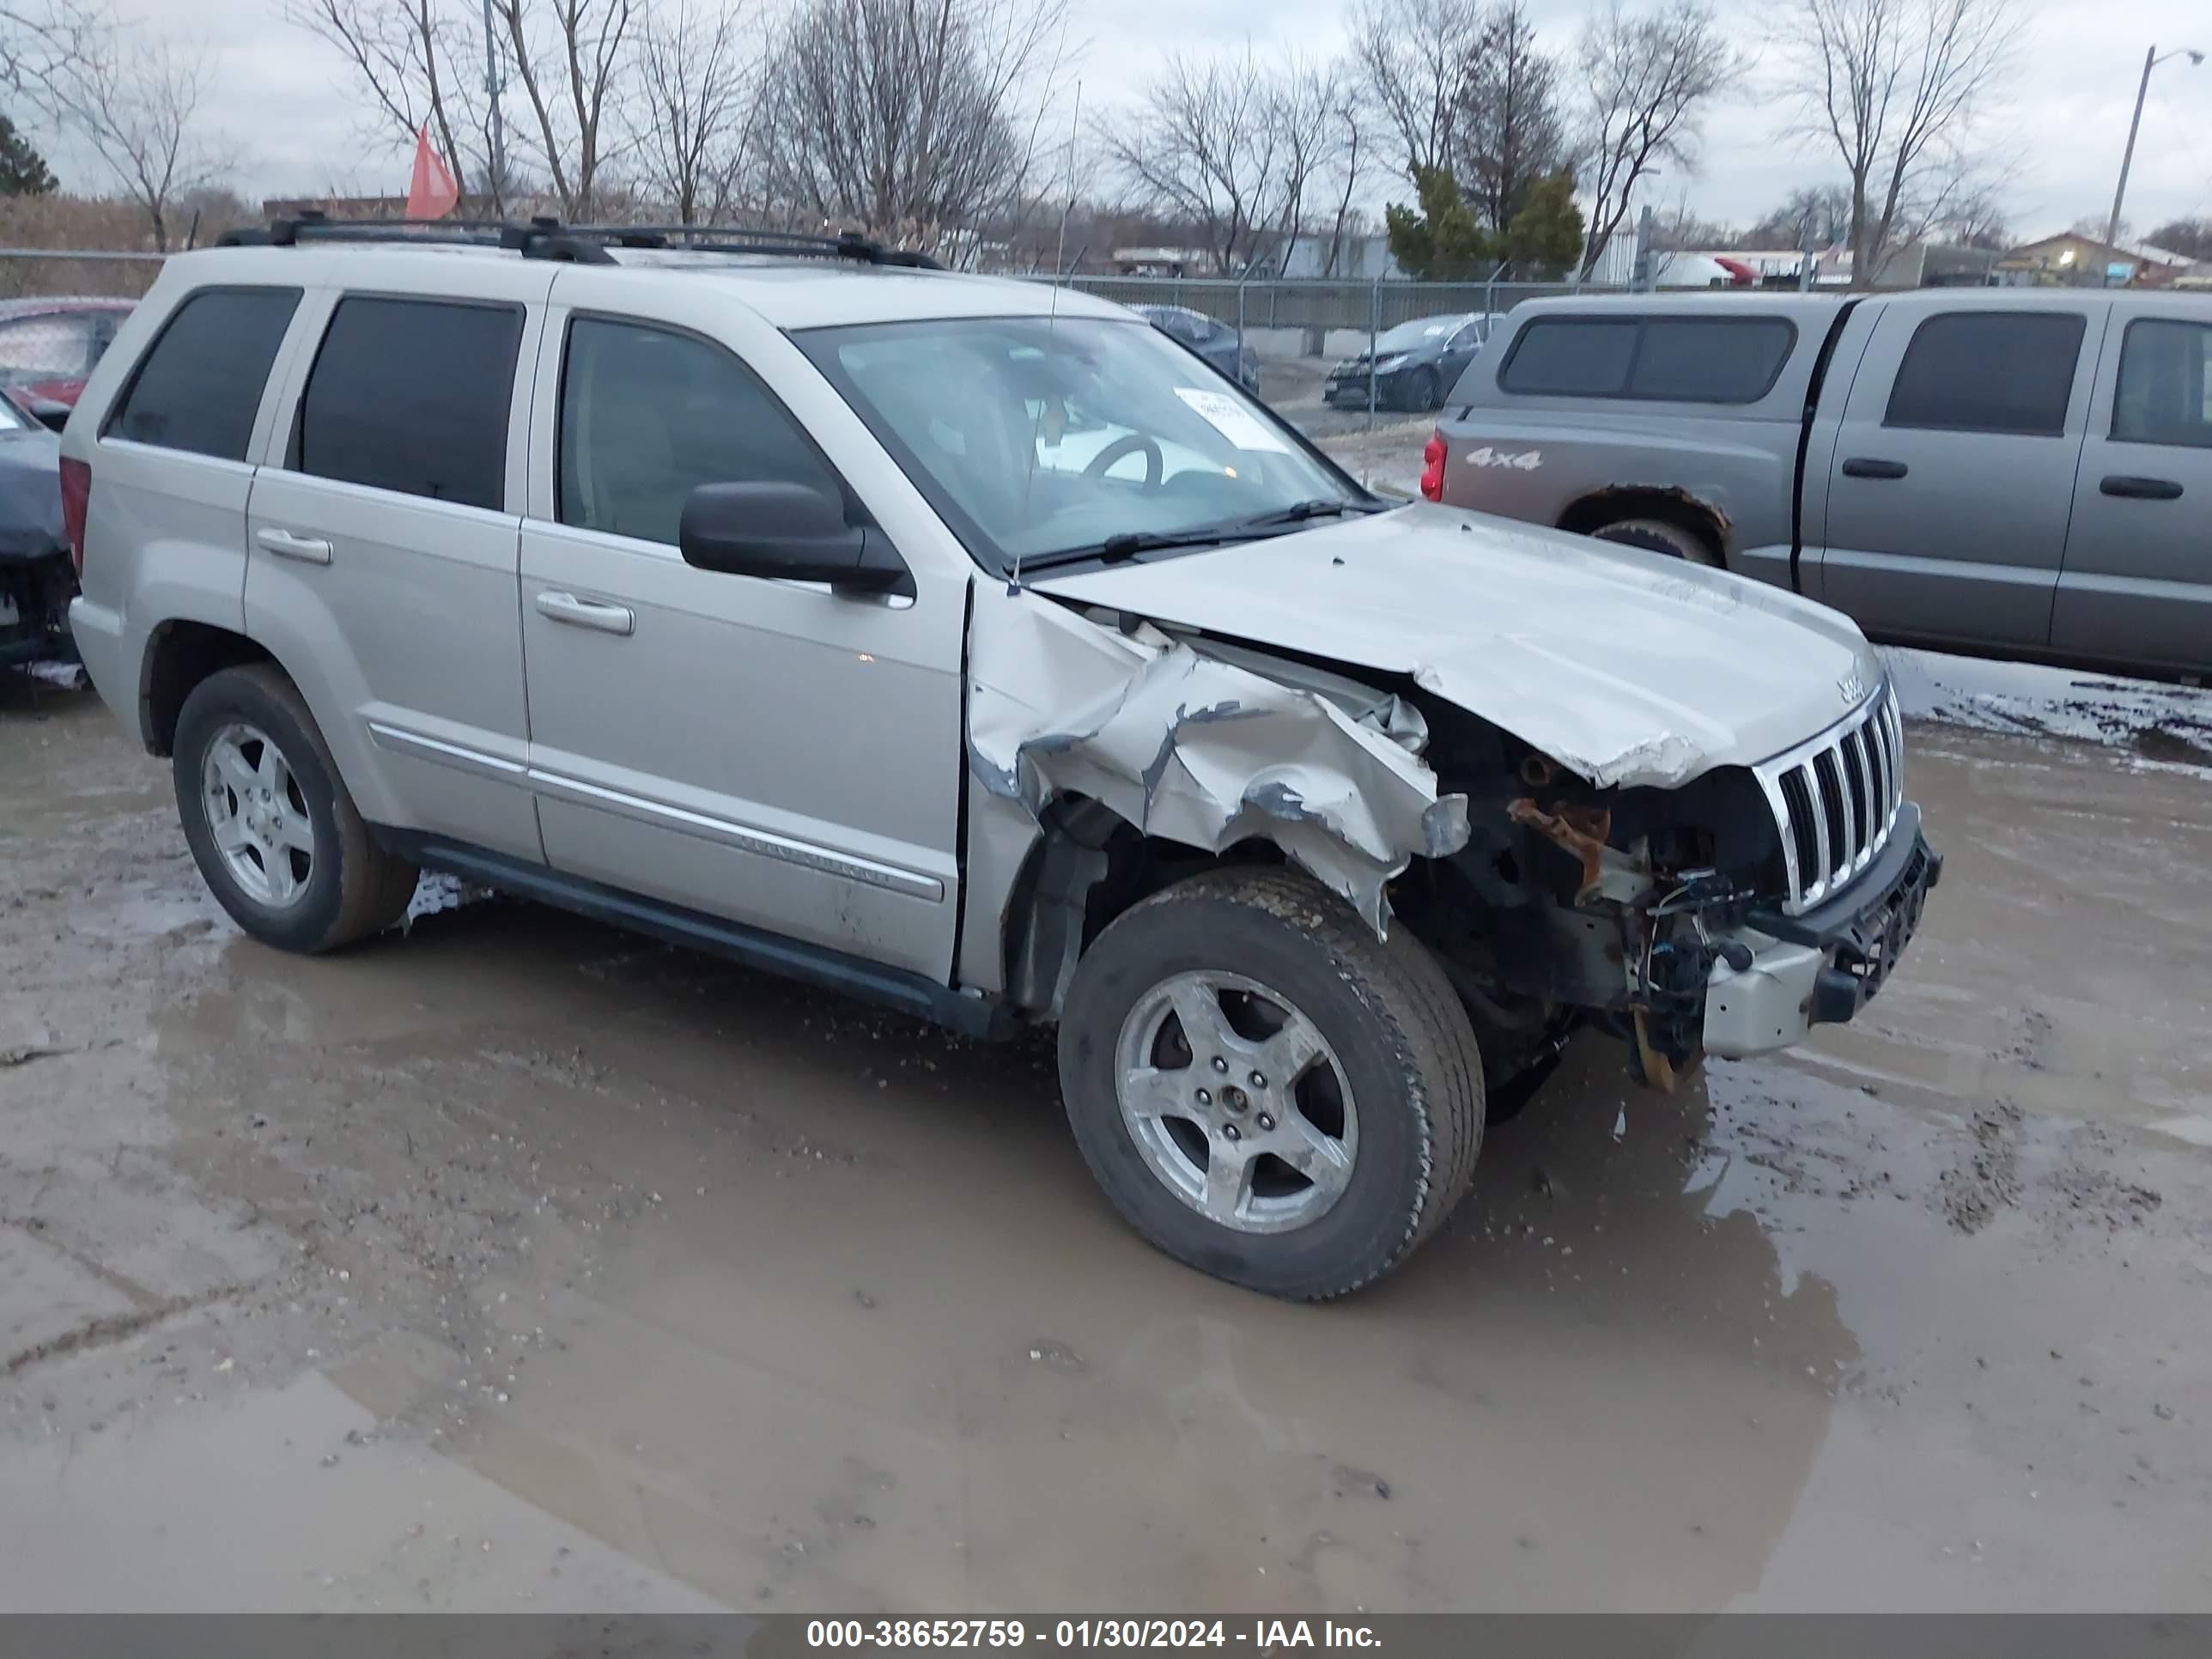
[48, 346]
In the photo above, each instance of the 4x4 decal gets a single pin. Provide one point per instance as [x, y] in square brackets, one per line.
[1528, 460]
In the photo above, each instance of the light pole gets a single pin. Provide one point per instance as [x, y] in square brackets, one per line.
[2152, 59]
[492, 89]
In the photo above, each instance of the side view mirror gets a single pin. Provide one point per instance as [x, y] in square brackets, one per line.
[50, 415]
[785, 532]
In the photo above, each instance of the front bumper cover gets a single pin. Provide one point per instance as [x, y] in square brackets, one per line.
[1822, 967]
[1351, 388]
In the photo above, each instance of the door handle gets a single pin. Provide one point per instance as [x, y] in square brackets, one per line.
[2142, 490]
[1862, 466]
[308, 550]
[588, 613]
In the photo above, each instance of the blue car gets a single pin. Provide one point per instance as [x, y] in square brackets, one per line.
[1218, 343]
[1416, 364]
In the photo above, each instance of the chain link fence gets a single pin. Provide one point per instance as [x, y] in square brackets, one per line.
[58, 272]
[1321, 305]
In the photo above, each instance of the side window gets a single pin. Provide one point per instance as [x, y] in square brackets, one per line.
[199, 385]
[2165, 391]
[53, 347]
[1573, 358]
[1717, 360]
[647, 415]
[412, 396]
[1989, 371]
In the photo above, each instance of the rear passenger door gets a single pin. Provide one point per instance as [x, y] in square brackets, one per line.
[2137, 585]
[384, 535]
[1952, 471]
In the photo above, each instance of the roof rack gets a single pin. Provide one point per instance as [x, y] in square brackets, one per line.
[540, 238]
[744, 239]
[546, 238]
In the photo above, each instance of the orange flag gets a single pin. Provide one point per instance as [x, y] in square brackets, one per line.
[431, 193]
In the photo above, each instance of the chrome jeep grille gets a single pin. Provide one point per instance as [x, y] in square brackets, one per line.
[1835, 799]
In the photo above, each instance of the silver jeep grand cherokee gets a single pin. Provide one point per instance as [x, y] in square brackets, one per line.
[967, 645]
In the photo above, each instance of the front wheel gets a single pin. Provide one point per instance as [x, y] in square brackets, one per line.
[1267, 1091]
[1424, 392]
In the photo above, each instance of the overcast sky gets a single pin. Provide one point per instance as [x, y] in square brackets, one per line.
[281, 101]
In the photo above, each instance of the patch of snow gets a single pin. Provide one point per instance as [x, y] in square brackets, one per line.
[2161, 722]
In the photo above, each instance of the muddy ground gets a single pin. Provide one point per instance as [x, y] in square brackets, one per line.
[516, 1262]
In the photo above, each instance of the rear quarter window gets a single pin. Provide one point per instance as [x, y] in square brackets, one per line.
[199, 384]
[1696, 360]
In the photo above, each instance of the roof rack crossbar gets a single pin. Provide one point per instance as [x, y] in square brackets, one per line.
[546, 238]
[745, 239]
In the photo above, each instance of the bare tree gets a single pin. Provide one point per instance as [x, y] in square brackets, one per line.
[1509, 130]
[39, 37]
[1647, 81]
[1412, 60]
[692, 109]
[914, 120]
[1353, 163]
[1235, 147]
[1974, 217]
[1896, 86]
[417, 62]
[1810, 217]
[134, 99]
[572, 60]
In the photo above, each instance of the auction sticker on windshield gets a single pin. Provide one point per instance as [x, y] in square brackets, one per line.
[1231, 419]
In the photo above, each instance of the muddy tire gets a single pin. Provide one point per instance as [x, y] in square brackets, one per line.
[1265, 1090]
[277, 836]
[1657, 535]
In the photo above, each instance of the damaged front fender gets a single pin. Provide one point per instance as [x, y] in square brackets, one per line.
[1184, 743]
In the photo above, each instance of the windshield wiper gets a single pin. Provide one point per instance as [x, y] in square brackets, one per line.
[1299, 512]
[1129, 542]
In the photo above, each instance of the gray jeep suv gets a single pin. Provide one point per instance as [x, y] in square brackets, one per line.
[969, 646]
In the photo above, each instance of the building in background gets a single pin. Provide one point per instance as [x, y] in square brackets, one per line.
[2072, 259]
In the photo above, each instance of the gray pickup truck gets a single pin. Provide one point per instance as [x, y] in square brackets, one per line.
[2026, 472]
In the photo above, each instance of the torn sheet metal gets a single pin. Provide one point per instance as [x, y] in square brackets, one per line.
[1199, 750]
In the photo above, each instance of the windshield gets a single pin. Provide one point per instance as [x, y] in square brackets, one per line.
[1422, 332]
[1039, 439]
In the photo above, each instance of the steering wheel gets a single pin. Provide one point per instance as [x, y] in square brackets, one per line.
[1128, 444]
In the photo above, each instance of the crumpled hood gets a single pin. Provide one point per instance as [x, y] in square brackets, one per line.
[1629, 667]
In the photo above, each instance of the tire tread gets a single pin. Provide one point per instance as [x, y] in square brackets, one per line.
[1401, 983]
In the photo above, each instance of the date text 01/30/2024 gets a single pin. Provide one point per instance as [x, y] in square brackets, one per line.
[1257, 1635]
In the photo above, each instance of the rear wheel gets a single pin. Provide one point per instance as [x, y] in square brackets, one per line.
[1266, 1091]
[277, 836]
[1657, 535]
